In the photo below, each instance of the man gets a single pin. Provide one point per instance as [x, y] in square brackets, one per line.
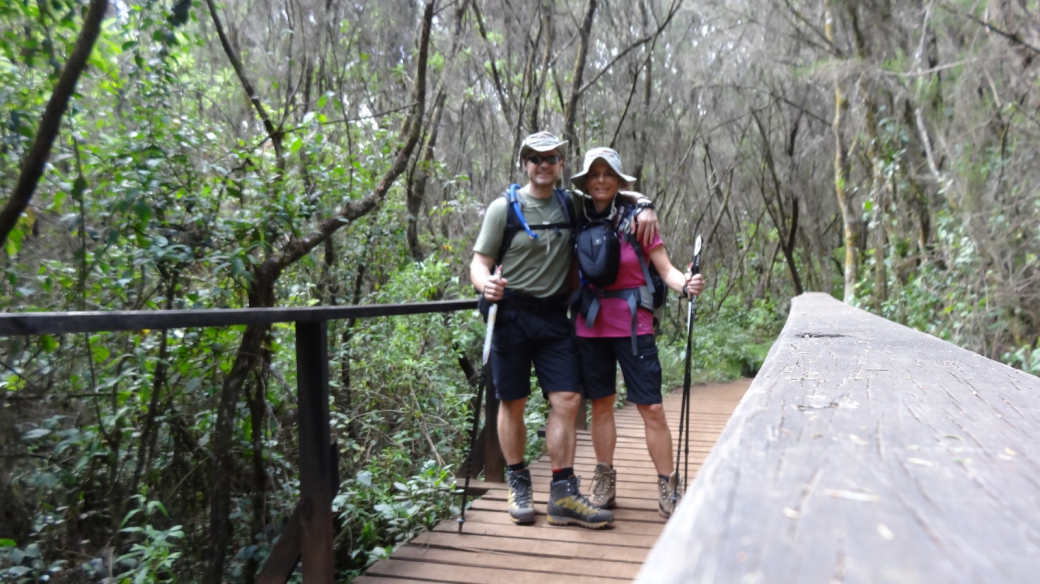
[532, 327]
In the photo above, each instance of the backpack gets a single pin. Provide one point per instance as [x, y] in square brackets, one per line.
[598, 250]
[651, 295]
[515, 223]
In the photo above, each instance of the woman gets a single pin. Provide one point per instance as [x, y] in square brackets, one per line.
[621, 333]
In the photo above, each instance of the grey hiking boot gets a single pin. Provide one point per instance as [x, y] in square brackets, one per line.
[521, 508]
[567, 506]
[669, 494]
[604, 486]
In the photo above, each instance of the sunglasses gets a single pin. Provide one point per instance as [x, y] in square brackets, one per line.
[537, 160]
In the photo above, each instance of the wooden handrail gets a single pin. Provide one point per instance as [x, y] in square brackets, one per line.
[308, 537]
[55, 323]
[865, 451]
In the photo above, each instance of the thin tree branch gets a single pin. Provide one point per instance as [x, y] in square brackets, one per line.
[236, 63]
[1013, 37]
[651, 37]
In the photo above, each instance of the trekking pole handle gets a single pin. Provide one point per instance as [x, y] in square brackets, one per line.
[492, 313]
[695, 265]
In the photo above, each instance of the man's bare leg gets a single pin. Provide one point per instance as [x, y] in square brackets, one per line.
[604, 431]
[658, 437]
[560, 436]
[512, 432]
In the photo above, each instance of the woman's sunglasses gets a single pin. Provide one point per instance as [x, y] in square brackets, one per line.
[537, 160]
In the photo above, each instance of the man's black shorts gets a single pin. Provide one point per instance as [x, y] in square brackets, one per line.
[642, 372]
[542, 338]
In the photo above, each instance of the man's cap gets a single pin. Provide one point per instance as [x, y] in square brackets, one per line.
[539, 142]
[611, 157]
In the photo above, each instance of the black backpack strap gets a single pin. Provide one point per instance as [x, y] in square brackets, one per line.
[515, 221]
[567, 204]
[638, 247]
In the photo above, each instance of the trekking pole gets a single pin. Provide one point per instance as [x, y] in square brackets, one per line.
[492, 313]
[684, 408]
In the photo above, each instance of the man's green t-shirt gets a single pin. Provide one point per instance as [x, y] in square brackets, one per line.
[538, 267]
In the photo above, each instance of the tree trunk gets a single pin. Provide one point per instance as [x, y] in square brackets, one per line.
[261, 295]
[35, 160]
[848, 214]
[570, 115]
[258, 498]
[537, 85]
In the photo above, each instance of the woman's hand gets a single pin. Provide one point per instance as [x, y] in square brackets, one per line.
[694, 285]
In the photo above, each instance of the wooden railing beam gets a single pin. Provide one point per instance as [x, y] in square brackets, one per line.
[57, 323]
[865, 451]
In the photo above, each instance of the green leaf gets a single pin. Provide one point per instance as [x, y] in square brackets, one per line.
[36, 433]
[365, 478]
[8, 543]
[296, 145]
[48, 343]
[78, 187]
[143, 210]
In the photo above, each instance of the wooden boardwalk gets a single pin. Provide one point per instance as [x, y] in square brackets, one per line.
[493, 549]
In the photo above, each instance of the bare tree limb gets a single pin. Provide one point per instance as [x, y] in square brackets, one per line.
[35, 160]
[570, 115]
[651, 37]
[275, 134]
[1013, 37]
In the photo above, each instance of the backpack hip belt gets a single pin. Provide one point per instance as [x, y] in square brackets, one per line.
[641, 297]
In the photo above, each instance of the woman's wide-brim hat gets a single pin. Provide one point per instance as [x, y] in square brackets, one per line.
[612, 158]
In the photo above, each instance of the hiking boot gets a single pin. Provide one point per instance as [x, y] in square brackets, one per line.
[668, 494]
[604, 486]
[521, 508]
[567, 506]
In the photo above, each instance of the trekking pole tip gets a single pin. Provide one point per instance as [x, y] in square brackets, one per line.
[460, 521]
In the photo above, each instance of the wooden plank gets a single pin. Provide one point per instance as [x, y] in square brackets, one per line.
[312, 374]
[455, 573]
[551, 533]
[499, 517]
[542, 498]
[620, 515]
[866, 452]
[558, 567]
[532, 547]
[377, 580]
[55, 323]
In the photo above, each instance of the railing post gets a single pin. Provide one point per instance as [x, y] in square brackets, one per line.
[494, 460]
[312, 375]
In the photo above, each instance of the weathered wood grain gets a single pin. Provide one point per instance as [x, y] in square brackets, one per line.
[865, 452]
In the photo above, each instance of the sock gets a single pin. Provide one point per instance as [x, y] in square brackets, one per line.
[562, 474]
[518, 466]
[663, 477]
